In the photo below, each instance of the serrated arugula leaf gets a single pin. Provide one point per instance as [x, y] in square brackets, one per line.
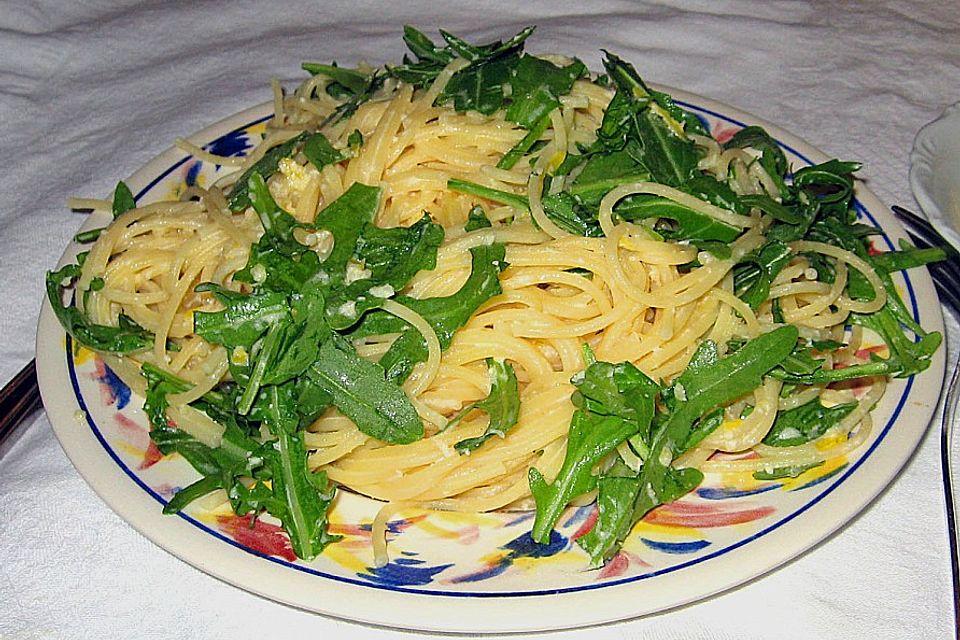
[279, 272]
[756, 271]
[300, 339]
[618, 491]
[525, 144]
[278, 225]
[300, 498]
[361, 392]
[345, 218]
[349, 107]
[390, 258]
[479, 86]
[265, 167]
[126, 337]
[590, 439]
[615, 402]
[772, 158]
[244, 318]
[536, 88]
[123, 199]
[805, 423]
[353, 82]
[604, 171]
[320, 152]
[445, 314]
[395, 255]
[502, 405]
[688, 224]
[620, 390]
[707, 383]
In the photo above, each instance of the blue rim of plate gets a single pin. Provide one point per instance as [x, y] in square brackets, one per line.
[837, 479]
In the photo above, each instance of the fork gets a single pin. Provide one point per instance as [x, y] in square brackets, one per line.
[946, 278]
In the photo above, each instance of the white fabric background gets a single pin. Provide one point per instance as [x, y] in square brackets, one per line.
[89, 91]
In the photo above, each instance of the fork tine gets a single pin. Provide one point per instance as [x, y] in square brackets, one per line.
[946, 285]
[946, 274]
[922, 228]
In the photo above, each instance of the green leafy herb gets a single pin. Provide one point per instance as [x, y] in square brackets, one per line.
[361, 392]
[123, 199]
[320, 152]
[805, 423]
[477, 219]
[502, 405]
[707, 383]
[785, 472]
[445, 314]
[126, 337]
[537, 86]
[615, 402]
[265, 167]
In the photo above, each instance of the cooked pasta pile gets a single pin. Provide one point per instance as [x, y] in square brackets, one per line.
[624, 292]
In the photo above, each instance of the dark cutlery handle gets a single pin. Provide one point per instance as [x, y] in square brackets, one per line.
[18, 399]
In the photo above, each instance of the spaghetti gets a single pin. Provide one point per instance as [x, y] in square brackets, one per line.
[622, 290]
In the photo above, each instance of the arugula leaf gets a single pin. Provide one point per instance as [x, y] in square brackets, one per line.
[397, 254]
[604, 171]
[123, 199]
[615, 402]
[805, 423]
[590, 439]
[670, 159]
[265, 167]
[320, 152]
[625, 77]
[618, 492]
[496, 195]
[536, 88]
[502, 405]
[345, 218]
[279, 272]
[770, 206]
[350, 106]
[243, 319]
[653, 123]
[392, 257]
[477, 219]
[445, 314]
[352, 81]
[620, 390]
[757, 270]
[688, 224]
[278, 225]
[707, 383]
[361, 392]
[126, 337]
[300, 498]
[300, 339]
[288, 266]
[785, 472]
[221, 467]
[568, 214]
[479, 86]
[526, 143]
[772, 158]
[424, 49]
[431, 59]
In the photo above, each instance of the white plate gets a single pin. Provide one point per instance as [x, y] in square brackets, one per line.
[935, 171]
[481, 573]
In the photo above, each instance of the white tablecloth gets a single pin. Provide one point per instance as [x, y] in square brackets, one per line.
[91, 90]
